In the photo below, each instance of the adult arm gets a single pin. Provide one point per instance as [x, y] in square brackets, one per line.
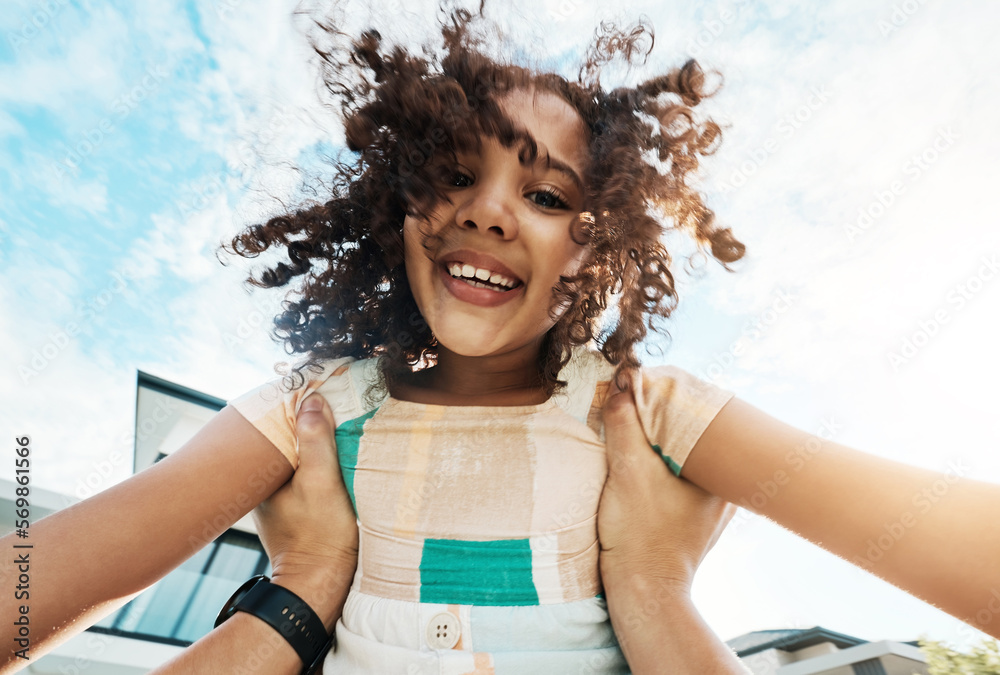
[310, 533]
[90, 558]
[936, 536]
[655, 529]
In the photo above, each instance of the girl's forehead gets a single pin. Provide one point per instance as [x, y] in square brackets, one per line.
[552, 122]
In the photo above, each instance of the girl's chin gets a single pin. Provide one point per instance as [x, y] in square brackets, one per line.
[470, 348]
[479, 343]
[468, 335]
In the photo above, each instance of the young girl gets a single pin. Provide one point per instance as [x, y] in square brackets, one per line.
[446, 296]
[490, 215]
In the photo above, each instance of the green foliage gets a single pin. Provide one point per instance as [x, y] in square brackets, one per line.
[982, 659]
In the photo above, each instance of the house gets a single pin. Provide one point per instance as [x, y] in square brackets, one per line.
[812, 651]
[181, 607]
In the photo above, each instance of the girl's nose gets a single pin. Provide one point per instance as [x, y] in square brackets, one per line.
[489, 211]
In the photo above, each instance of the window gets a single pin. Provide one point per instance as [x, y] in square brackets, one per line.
[181, 607]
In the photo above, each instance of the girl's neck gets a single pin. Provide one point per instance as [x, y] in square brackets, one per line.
[505, 379]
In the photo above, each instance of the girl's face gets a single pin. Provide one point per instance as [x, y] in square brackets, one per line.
[506, 234]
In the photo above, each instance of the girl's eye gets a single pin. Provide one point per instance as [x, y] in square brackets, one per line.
[548, 199]
[455, 178]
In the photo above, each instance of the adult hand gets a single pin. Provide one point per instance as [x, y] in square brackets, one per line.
[651, 522]
[308, 527]
[309, 532]
[655, 530]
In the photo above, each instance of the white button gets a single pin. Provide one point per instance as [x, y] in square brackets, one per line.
[443, 631]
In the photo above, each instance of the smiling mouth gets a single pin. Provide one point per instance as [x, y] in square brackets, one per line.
[478, 277]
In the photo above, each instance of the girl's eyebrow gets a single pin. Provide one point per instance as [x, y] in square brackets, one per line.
[564, 168]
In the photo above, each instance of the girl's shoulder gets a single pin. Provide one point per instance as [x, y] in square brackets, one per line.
[346, 384]
[674, 409]
[352, 387]
[674, 406]
[588, 374]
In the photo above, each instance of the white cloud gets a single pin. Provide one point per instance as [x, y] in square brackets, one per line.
[68, 191]
[86, 69]
[75, 409]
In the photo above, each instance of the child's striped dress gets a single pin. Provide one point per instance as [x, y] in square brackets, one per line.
[478, 525]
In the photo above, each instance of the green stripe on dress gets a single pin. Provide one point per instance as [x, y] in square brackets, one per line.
[671, 464]
[454, 571]
[348, 437]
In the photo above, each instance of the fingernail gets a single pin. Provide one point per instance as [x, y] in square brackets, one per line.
[312, 403]
[616, 386]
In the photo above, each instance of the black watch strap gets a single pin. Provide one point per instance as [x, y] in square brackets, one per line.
[286, 612]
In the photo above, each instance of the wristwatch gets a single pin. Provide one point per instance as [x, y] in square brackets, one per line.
[287, 613]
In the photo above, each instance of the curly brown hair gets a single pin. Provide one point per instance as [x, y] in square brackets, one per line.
[404, 112]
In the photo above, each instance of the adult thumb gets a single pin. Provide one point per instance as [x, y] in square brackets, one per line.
[628, 450]
[314, 430]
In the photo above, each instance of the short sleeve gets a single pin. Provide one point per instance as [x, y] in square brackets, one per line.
[272, 408]
[674, 409]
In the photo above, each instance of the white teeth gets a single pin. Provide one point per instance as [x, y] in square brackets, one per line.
[471, 274]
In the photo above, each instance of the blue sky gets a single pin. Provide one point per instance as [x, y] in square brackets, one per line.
[858, 166]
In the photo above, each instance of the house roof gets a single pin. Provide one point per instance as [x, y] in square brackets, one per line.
[789, 639]
[178, 391]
